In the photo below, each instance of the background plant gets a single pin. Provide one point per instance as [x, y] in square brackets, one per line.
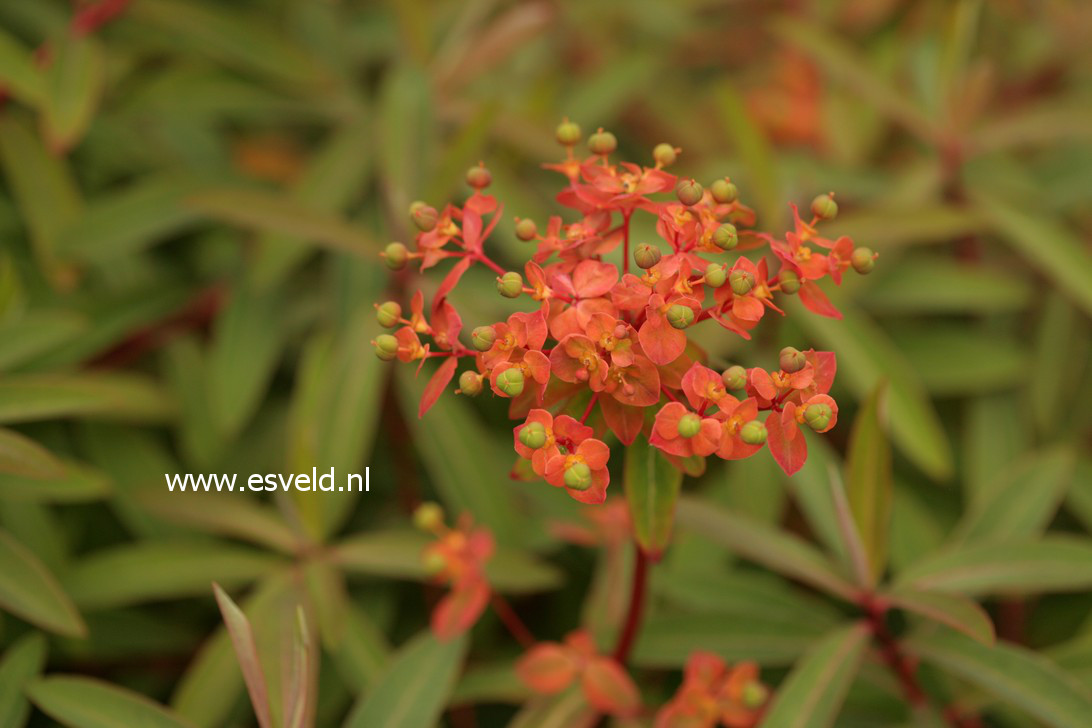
[193, 198]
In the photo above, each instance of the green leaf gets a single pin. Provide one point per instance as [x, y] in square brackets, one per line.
[937, 284]
[895, 227]
[1024, 502]
[415, 688]
[948, 609]
[492, 682]
[956, 359]
[667, 641]
[19, 72]
[277, 213]
[154, 570]
[399, 554]
[35, 333]
[1012, 674]
[568, 709]
[1062, 344]
[652, 490]
[407, 124]
[776, 550]
[33, 397]
[126, 222]
[84, 702]
[19, 455]
[812, 694]
[869, 485]
[74, 82]
[247, 341]
[1052, 564]
[467, 464]
[1046, 244]
[865, 356]
[213, 513]
[30, 592]
[843, 65]
[20, 664]
[364, 651]
[753, 148]
[74, 483]
[246, 651]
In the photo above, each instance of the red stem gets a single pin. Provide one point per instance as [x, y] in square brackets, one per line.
[587, 412]
[512, 622]
[636, 607]
[625, 241]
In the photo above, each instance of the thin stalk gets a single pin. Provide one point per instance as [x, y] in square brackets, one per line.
[636, 607]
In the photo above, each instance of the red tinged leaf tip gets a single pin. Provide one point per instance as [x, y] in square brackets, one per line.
[786, 442]
[437, 383]
[460, 609]
[609, 688]
[548, 668]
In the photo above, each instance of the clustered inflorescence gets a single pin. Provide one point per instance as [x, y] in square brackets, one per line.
[602, 339]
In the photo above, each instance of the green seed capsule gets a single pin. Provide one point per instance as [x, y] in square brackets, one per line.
[726, 236]
[724, 191]
[478, 177]
[511, 381]
[754, 695]
[716, 275]
[533, 435]
[818, 416]
[424, 216]
[734, 377]
[863, 260]
[396, 255]
[388, 314]
[578, 476]
[568, 133]
[602, 143]
[689, 425]
[510, 285]
[483, 337]
[789, 281]
[680, 316]
[428, 516]
[664, 154]
[689, 192]
[741, 281]
[386, 347]
[470, 383]
[824, 207]
[791, 360]
[526, 229]
[646, 256]
[753, 433]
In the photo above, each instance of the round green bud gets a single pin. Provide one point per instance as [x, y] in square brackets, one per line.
[424, 216]
[863, 260]
[824, 207]
[741, 281]
[470, 383]
[434, 562]
[510, 381]
[726, 237]
[724, 191]
[526, 229]
[689, 192]
[789, 281]
[754, 695]
[415, 206]
[395, 255]
[533, 435]
[568, 133]
[791, 360]
[716, 274]
[680, 316]
[483, 337]
[753, 433]
[388, 314]
[818, 416]
[602, 143]
[689, 425]
[646, 256]
[428, 516]
[386, 347]
[578, 476]
[734, 377]
[478, 177]
[664, 154]
[510, 284]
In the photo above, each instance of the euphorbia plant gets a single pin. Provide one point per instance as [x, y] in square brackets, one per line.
[602, 351]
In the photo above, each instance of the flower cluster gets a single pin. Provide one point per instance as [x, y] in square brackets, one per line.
[602, 345]
[456, 558]
[714, 694]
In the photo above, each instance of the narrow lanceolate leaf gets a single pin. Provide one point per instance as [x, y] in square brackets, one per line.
[1012, 674]
[18, 71]
[954, 611]
[668, 640]
[437, 383]
[84, 702]
[781, 552]
[272, 213]
[30, 592]
[22, 662]
[299, 698]
[568, 709]
[1023, 504]
[1047, 245]
[246, 651]
[812, 694]
[1052, 564]
[869, 486]
[652, 490]
[19, 455]
[34, 397]
[415, 688]
[73, 85]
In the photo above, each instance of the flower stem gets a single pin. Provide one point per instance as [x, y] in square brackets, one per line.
[636, 607]
[591, 404]
[512, 622]
[625, 241]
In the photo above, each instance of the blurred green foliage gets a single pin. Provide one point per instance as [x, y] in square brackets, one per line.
[191, 206]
